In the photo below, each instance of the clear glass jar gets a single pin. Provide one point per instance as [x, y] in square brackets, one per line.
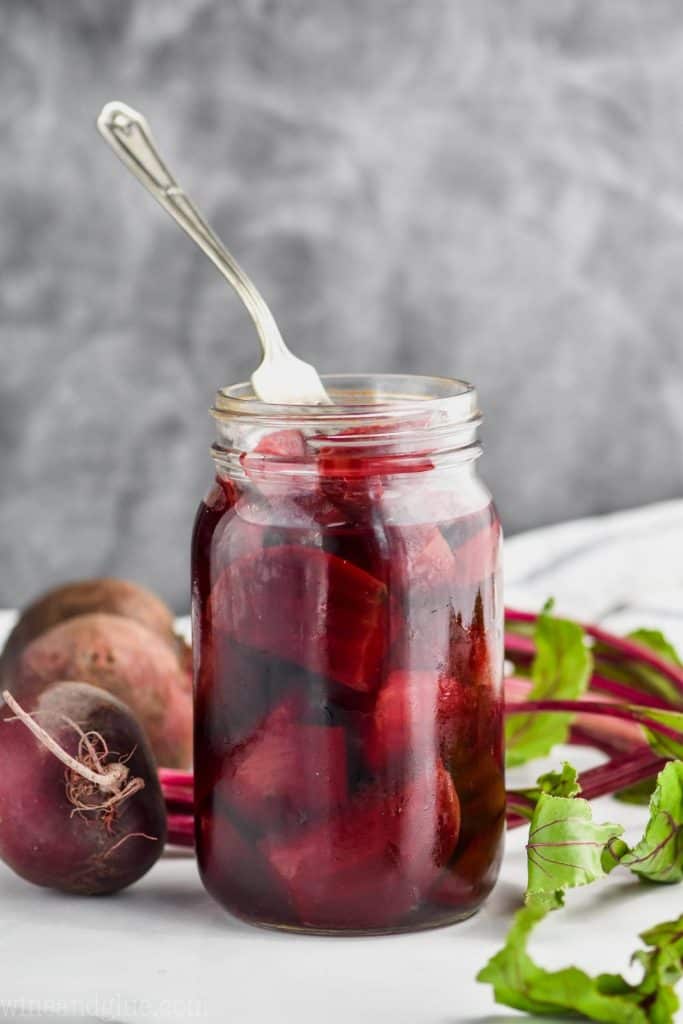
[347, 619]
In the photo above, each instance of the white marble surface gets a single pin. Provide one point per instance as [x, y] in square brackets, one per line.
[164, 951]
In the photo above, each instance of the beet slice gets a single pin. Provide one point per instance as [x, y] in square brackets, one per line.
[366, 867]
[309, 607]
[235, 872]
[236, 688]
[447, 595]
[287, 771]
[422, 557]
[59, 830]
[237, 537]
[478, 557]
[276, 466]
[350, 461]
[283, 444]
[417, 717]
[472, 875]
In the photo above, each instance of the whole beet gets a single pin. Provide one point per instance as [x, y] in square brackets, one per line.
[82, 597]
[54, 830]
[126, 660]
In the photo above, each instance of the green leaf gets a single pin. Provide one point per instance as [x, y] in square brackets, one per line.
[518, 981]
[656, 641]
[562, 783]
[513, 973]
[663, 968]
[658, 857]
[666, 746]
[644, 677]
[554, 783]
[561, 671]
[566, 848]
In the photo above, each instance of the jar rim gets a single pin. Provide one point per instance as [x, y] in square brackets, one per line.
[369, 397]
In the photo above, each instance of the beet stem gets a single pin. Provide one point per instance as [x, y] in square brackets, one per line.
[588, 707]
[628, 650]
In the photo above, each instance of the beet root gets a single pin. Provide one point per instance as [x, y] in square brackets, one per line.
[61, 830]
[123, 658]
[83, 597]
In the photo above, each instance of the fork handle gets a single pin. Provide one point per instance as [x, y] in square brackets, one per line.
[129, 135]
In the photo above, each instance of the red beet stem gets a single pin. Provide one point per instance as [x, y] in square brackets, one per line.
[177, 794]
[628, 649]
[181, 830]
[620, 772]
[585, 738]
[590, 707]
[174, 777]
[520, 647]
[627, 694]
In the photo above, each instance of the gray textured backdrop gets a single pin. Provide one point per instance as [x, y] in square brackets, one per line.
[491, 189]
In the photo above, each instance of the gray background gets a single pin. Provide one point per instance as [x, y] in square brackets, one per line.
[490, 189]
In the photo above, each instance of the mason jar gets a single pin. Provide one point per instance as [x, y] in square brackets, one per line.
[347, 622]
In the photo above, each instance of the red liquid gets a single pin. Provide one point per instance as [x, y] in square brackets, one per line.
[348, 748]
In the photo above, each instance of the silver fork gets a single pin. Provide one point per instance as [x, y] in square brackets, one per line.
[282, 378]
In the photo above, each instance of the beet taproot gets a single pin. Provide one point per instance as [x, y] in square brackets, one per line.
[123, 658]
[65, 831]
[84, 597]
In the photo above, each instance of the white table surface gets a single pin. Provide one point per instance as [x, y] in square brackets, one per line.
[162, 950]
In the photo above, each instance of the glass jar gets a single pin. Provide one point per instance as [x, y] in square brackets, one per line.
[347, 619]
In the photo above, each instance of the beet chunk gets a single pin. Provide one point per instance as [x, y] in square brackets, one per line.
[288, 770]
[236, 873]
[422, 556]
[369, 865]
[57, 829]
[418, 716]
[309, 607]
[128, 661]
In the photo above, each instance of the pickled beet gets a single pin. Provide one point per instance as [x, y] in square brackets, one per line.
[368, 865]
[309, 607]
[423, 558]
[245, 878]
[414, 713]
[348, 756]
[287, 770]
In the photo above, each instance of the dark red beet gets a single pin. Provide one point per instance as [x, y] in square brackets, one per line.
[238, 875]
[478, 557]
[471, 876]
[309, 607]
[370, 864]
[125, 659]
[417, 716]
[366, 624]
[53, 829]
[275, 458]
[287, 771]
[348, 461]
[239, 687]
[237, 537]
[422, 557]
[83, 597]
[283, 444]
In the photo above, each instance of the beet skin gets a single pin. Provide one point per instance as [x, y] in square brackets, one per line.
[123, 658]
[84, 597]
[51, 832]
